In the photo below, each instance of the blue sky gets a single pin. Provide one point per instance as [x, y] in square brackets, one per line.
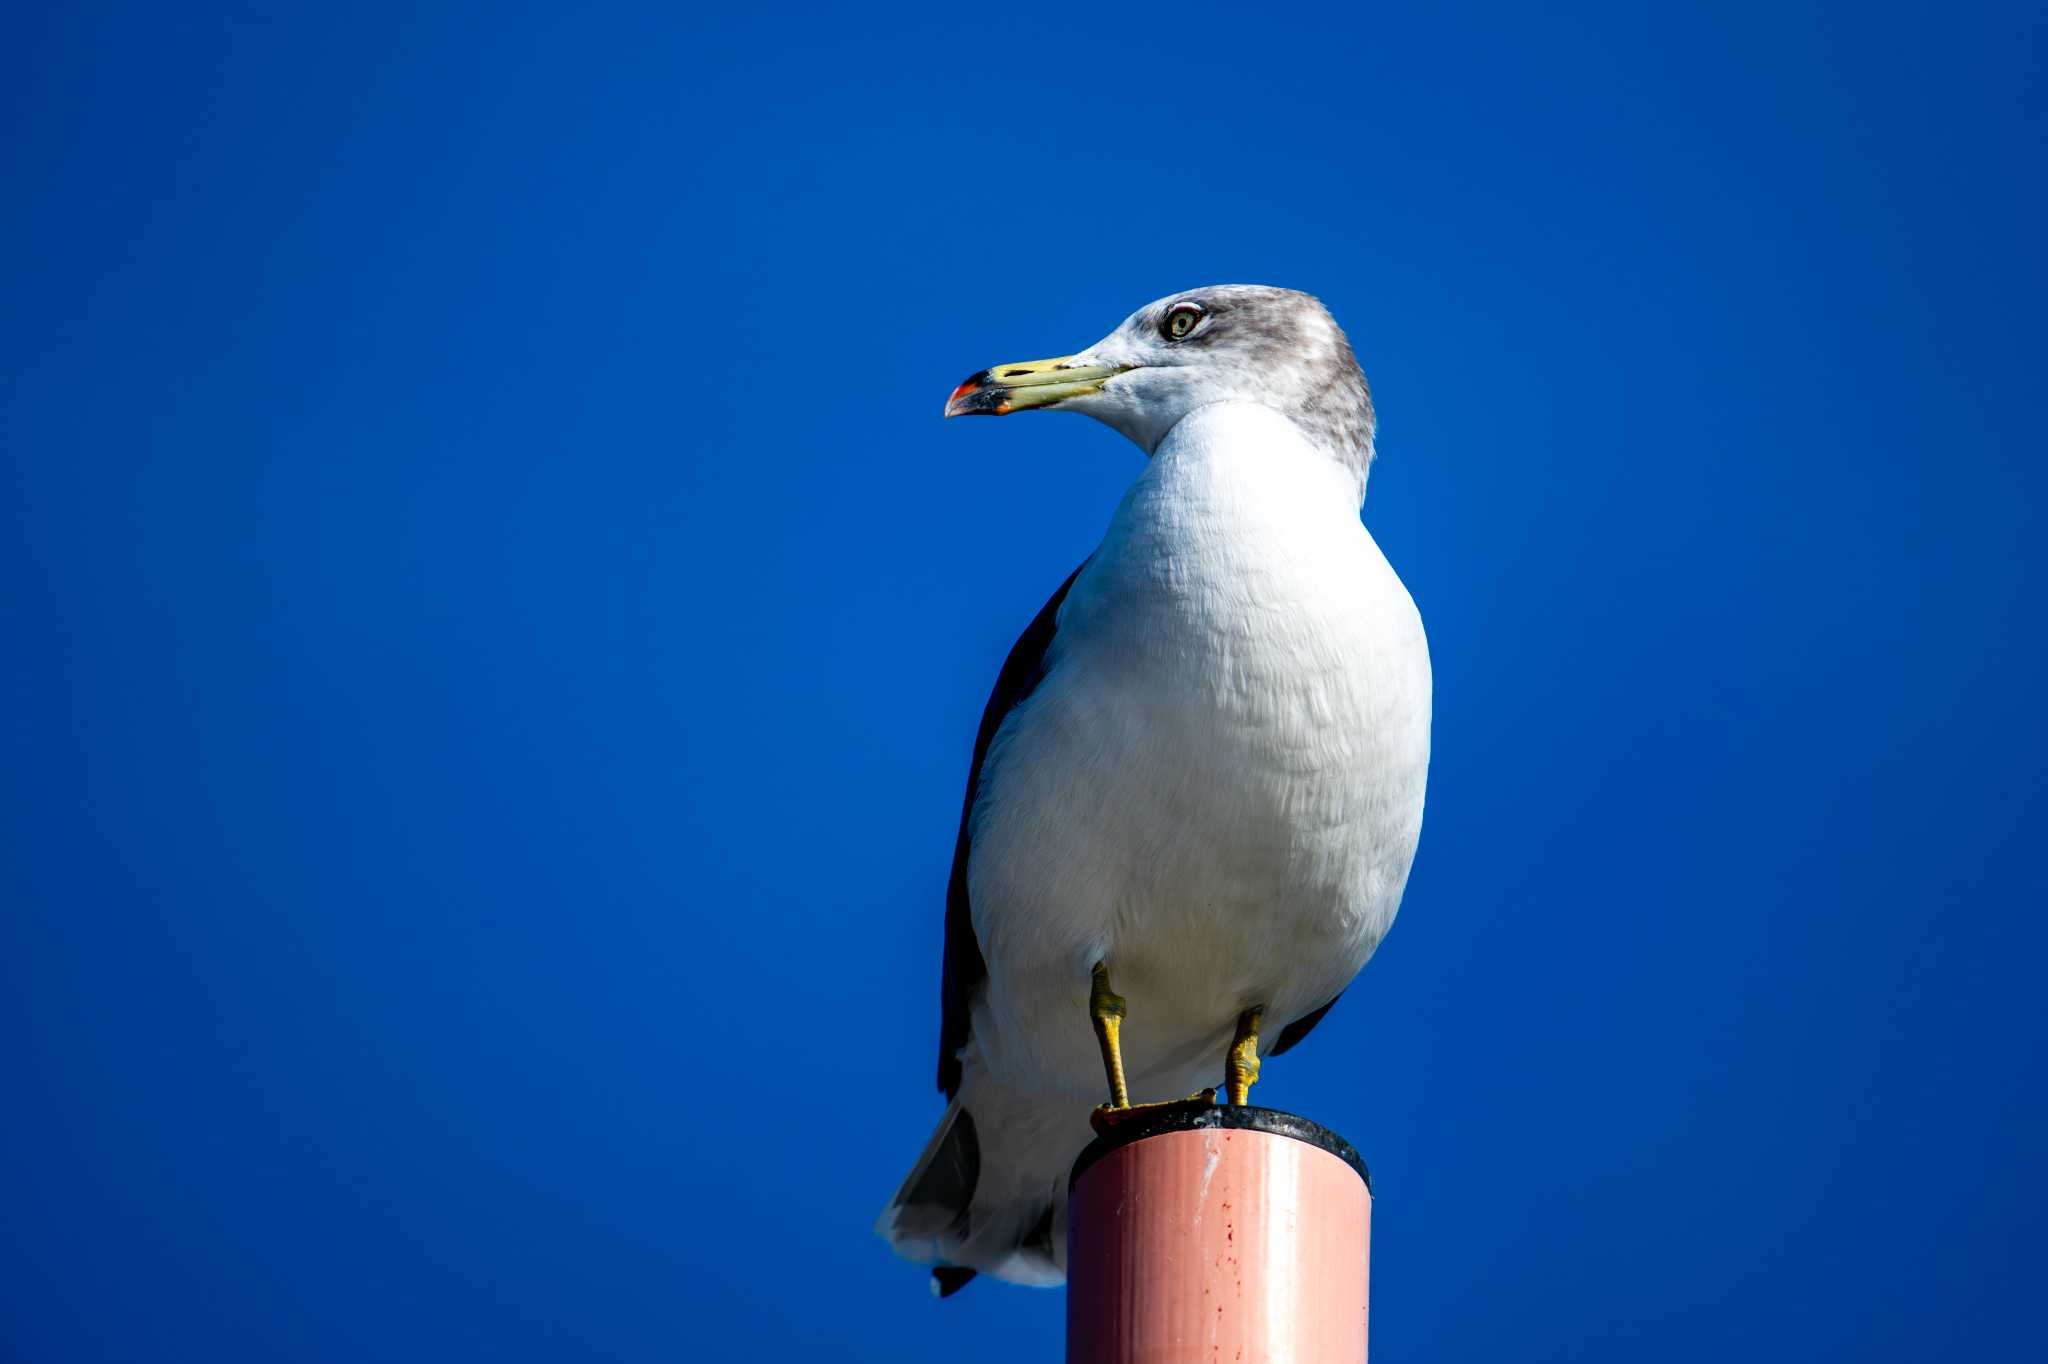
[495, 626]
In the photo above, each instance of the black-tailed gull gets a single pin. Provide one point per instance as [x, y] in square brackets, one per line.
[1198, 785]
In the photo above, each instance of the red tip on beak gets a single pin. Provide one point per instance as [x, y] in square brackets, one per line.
[978, 397]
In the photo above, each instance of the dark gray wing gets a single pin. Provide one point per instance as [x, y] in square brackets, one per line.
[1300, 1027]
[964, 969]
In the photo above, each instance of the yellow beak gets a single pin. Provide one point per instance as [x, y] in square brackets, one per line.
[1021, 387]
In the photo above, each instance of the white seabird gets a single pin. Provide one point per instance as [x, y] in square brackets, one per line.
[1198, 785]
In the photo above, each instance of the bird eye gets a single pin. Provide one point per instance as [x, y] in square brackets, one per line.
[1180, 320]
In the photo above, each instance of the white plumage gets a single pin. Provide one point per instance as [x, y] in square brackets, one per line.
[1215, 785]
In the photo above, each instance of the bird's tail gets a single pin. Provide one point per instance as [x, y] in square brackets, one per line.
[989, 1193]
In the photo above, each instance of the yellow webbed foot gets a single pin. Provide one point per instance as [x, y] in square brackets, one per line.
[1106, 1116]
[1241, 1067]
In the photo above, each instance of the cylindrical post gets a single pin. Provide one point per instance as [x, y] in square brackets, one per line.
[1218, 1233]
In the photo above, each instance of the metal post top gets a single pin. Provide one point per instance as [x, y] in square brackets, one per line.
[1219, 1117]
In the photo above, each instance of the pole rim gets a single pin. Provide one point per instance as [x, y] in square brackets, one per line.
[1220, 1117]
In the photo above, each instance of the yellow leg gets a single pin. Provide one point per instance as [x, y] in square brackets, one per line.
[1241, 1067]
[1106, 1008]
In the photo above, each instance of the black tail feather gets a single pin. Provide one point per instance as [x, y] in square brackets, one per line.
[950, 1279]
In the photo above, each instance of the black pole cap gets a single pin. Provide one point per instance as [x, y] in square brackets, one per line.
[1223, 1117]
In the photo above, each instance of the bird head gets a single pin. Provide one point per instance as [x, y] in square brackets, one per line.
[1226, 343]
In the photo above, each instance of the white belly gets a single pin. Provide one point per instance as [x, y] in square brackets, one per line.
[1218, 785]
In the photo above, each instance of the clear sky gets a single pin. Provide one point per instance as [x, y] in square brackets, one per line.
[494, 628]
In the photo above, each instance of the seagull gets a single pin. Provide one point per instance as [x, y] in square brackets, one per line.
[1197, 787]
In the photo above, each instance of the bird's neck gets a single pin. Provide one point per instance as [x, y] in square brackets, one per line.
[1235, 489]
[1239, 524]
[1260, 445]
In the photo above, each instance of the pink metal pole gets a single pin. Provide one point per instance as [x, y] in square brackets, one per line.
[1235, 1234]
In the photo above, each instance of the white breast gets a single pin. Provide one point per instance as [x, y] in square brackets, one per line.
[1218, 785]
